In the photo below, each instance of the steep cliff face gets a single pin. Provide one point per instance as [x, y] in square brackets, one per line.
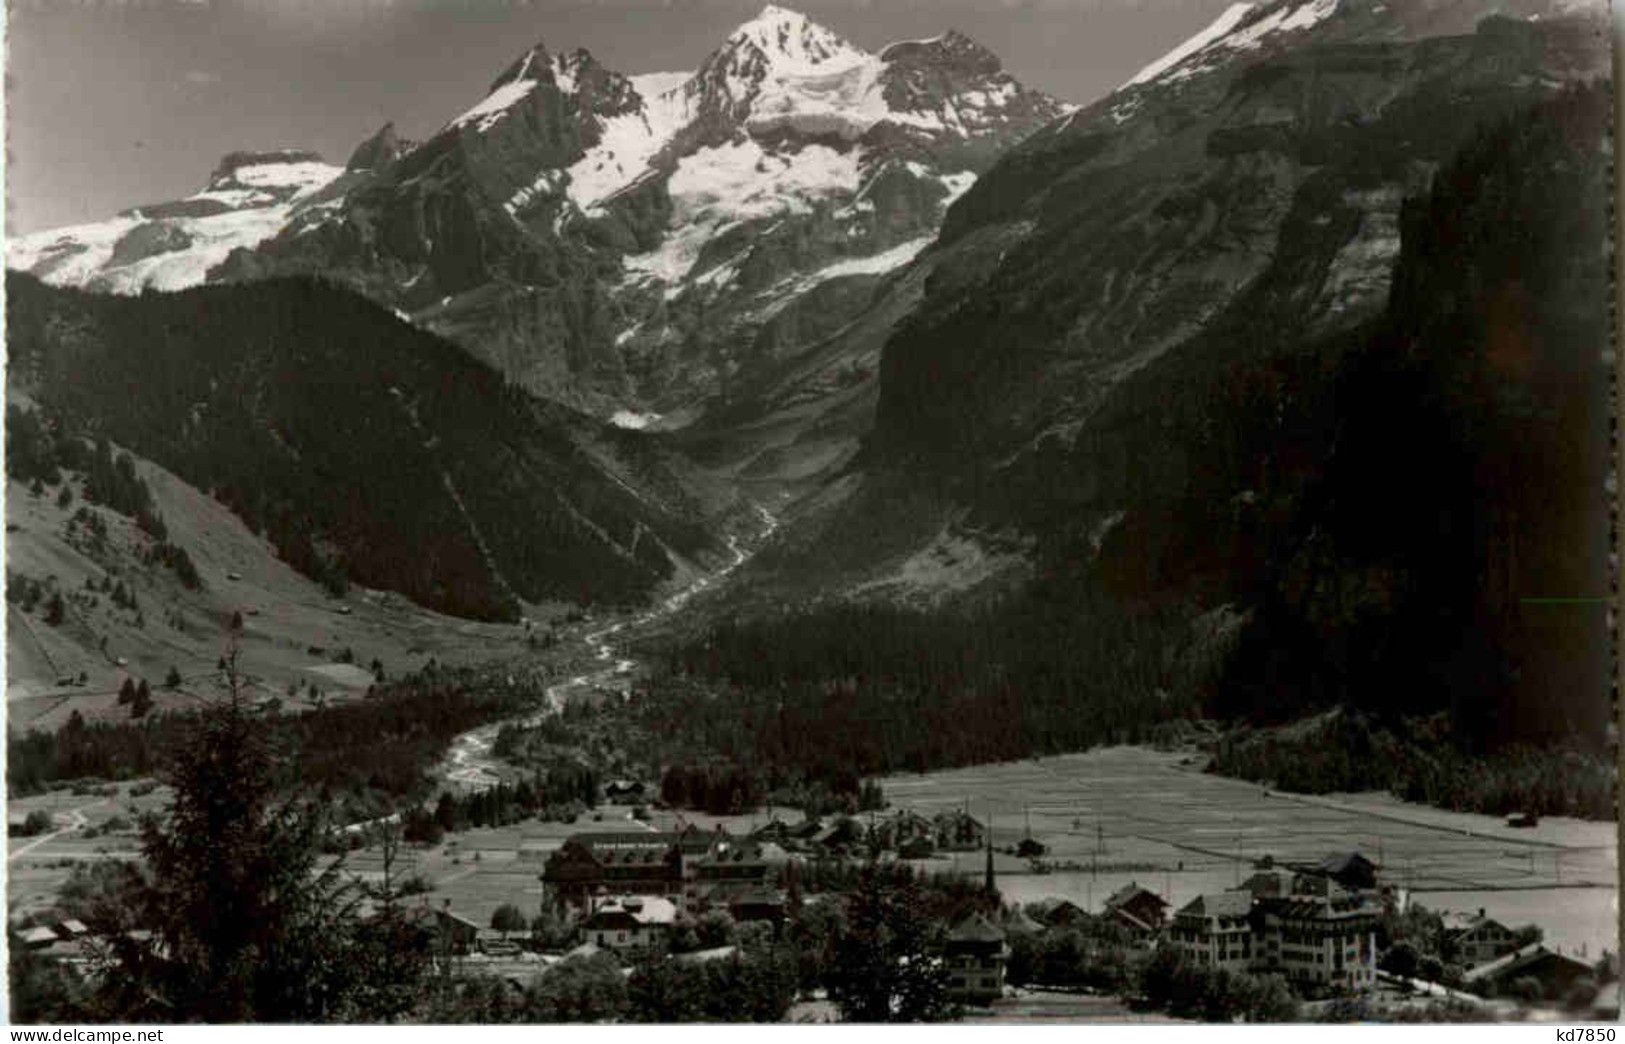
[1097, 323]
[1245, 196]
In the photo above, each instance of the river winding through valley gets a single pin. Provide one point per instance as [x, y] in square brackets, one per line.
[470, 764]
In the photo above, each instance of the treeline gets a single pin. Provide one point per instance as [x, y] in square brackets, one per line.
[377, 749]
[1349, 752]
[802, 708]
[836, 695]
[561, 794]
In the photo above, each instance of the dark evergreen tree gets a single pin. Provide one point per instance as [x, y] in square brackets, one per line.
[888, 964]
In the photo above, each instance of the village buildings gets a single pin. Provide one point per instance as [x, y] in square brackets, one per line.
[693, 869]
[1313, 925]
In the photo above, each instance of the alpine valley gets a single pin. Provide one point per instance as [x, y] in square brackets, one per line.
[878, 412]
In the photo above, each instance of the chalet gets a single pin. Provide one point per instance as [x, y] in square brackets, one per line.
[1060, 913]
[1349, 869]
[1552, 973]
[1318, 943]
[1017, 921]
[630, 924]
[959, 831]
[1215, 930]
[1139, 909]
[902, 828]
[1477, 938]
[975, 953]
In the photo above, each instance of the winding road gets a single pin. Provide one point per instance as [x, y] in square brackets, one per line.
[76, 821]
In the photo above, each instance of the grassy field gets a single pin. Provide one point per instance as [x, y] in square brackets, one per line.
[1125, 814]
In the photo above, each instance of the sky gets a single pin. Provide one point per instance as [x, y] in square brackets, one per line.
[115, 103]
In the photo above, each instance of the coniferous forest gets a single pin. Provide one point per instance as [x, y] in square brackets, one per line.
[345, 435]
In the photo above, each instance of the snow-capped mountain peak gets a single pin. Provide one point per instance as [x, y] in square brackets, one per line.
[1242, 27]
[789, 159]
[793, 42]
[250, 197]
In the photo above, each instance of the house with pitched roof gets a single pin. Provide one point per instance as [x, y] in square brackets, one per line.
[1139, 909]
[1553, 974]
[630, 923]
[959, 831]
[975, 953]
[1477, 938]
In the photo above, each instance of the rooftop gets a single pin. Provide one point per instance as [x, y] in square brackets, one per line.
[1219, 904]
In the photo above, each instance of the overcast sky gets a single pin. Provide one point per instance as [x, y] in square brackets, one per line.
[112, 104]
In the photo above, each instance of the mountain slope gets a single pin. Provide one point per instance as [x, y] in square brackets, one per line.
[1117, 376]
[364, 448]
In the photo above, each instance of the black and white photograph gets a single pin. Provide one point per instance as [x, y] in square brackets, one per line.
[1091, 513]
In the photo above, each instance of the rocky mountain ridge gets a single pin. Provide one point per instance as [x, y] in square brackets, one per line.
[633, 245]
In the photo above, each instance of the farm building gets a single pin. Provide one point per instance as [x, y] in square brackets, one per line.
[1545, 974]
